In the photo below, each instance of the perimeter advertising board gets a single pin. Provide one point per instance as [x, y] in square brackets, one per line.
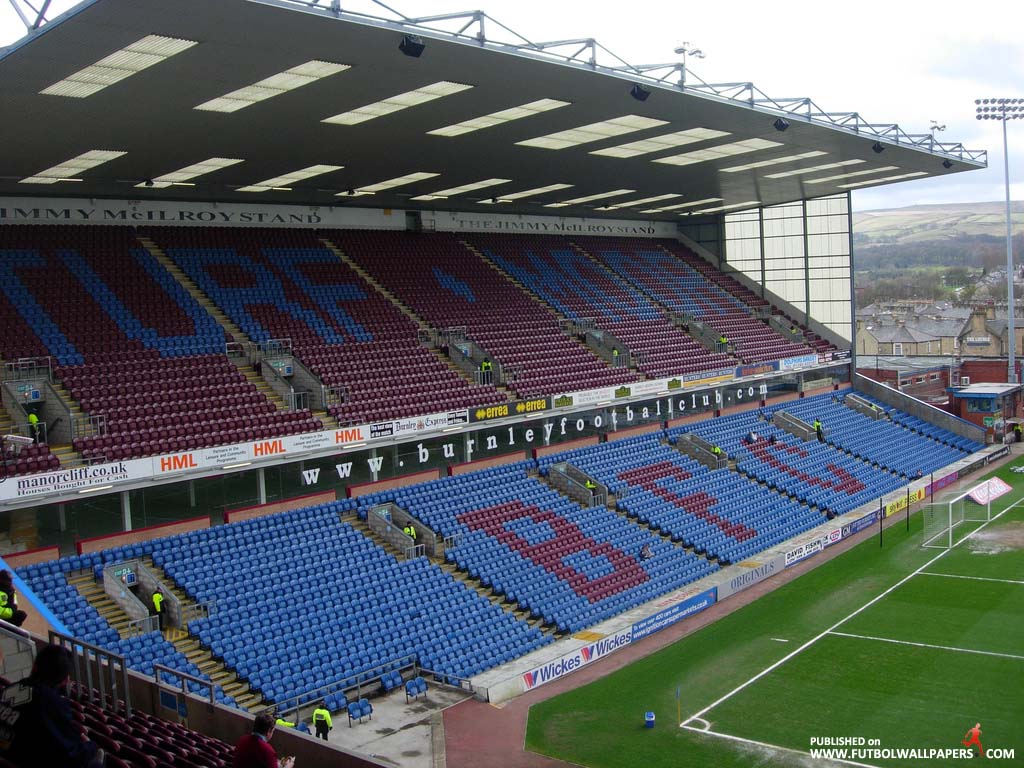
[674, 613]
[575, 660]
[751, 572]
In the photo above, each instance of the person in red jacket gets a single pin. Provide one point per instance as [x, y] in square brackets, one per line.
[254, 751]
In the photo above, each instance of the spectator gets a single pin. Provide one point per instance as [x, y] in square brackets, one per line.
[42, 730]
[751, 437]
[254, 751]
[9, 601]
[322, 722]
[772, 440]
[645, 552]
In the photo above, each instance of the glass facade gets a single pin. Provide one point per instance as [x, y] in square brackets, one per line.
[799, 252]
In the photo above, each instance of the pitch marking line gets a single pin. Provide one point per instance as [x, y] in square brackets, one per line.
[928, 645]
[835, 626]
[972, 578]
[776, 747]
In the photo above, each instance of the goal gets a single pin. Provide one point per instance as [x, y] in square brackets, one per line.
[944, 520]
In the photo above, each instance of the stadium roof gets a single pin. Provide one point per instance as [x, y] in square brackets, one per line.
[285, 101]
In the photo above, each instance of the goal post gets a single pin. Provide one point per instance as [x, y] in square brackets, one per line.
[944, 520]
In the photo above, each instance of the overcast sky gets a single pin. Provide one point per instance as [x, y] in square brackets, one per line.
[908, 63]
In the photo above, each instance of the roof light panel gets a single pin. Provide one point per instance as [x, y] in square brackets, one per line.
[683, 205]
[275, 85]
[813, 169]
[536, 191]
[775, 161]
[397, 103]
[589, 198]
[593, 132]
[498, 118]
[718, 152]
[398, 181]
[121, 64]
[659, 143]
[69, 169]
[284, 182]
[190, 172]
[884, 178]
[852, 174]
[747, 204]
[443, 194]
[643, 201]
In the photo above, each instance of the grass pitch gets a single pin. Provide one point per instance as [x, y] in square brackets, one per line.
[940, 649]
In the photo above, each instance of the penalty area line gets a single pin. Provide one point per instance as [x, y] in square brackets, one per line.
[766, 745]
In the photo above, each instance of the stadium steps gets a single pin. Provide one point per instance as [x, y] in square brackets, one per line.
[540, 301]
[261, 385]
[495, 599]
[94, 594]
[405, 310]
[327, 421]
[511, 278]
[204, 301]
[192, 649]
[370, 280]
[364, 528]
[68, 455]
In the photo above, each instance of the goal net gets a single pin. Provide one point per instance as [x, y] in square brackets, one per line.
[944, 521]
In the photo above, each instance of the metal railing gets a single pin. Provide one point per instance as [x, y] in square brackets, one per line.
[193, 611]
[142, 626]
[181, 684]
[99, 675]
[577, 485]
[360, 681]
[29, 368]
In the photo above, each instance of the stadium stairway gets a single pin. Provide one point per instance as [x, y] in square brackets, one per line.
[196, 653]
[364, 528]
[94, 594]
[404, 309]
[261, 385]
[510, 278]
[189, 285]
[494, 598]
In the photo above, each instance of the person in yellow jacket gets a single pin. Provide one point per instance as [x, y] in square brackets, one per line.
[322, 722]
[281, 722]
[158, 608]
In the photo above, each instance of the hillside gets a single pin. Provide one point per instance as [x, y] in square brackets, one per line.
[930, 223]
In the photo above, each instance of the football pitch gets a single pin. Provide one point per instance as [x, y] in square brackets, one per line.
[884, 656]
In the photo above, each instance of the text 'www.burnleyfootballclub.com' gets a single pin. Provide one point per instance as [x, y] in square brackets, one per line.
[860, 748]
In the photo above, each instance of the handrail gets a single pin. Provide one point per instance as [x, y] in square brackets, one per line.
[92, 666]
[356, 680]
[184, 679]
